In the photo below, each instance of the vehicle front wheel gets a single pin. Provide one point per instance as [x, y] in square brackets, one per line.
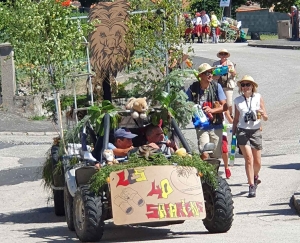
[219, 207]
[87, 215]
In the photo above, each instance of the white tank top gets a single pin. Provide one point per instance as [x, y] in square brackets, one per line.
[243, 108]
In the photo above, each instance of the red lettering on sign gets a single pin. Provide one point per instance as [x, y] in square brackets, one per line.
[189, 209]
[122, 181]
[152, 211]
[181, 210]
[200, 206]
[155, 190]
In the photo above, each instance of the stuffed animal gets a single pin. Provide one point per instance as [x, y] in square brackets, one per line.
[182, 153]
[138, 107]
[108, 154]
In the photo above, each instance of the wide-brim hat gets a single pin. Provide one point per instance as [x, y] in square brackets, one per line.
[223, 51]
[205, 67]
[247, 78]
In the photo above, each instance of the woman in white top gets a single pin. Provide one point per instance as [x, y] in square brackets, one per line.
[249, 110]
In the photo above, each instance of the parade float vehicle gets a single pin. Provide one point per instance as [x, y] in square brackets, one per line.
[147, 188]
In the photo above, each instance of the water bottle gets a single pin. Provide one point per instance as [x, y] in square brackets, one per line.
[232, 150]
[220, 71]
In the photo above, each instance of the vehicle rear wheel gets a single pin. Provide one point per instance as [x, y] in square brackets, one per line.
[57, 182]
[87, 215]
[68, 200]
[58, 196]
[219, 207]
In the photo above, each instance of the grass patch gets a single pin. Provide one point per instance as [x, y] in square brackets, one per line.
[265, 37]
[38, 118]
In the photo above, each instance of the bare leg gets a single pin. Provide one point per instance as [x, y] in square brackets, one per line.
[256, 161]
[247, 153]
[225, 160]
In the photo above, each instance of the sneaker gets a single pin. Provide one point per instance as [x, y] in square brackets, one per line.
[256, 180]
[228, 173]
[252, 191]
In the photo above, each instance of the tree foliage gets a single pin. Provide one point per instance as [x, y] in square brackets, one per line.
[153, 33]
[46, 42]
[280, 6]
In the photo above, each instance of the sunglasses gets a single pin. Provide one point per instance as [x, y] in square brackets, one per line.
[223, 53]
[207, 73]
[245, 84]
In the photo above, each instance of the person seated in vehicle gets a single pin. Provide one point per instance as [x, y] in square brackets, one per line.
[156, 139]
[123, 142]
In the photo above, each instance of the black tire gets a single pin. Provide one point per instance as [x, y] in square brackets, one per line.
[58, 196]
[219, 207]
[87, 215]
[68, 202]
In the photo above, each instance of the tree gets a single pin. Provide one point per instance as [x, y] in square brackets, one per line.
[280, 6]
[47, 43]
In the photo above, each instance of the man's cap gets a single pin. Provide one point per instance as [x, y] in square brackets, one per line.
[122, 133]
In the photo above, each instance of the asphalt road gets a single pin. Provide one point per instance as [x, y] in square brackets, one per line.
[26, 213]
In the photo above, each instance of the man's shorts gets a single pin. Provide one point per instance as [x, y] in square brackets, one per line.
[251, 137]
[224, 144]
[210, 136]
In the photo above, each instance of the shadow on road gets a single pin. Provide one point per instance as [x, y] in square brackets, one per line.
[37, 216]
[19, 175]
[291, 166]
[53, 234]
[267, 213]
[112, 233]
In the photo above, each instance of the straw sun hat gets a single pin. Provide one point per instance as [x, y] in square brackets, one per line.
[247, 78]
[204, 67]
[223, 51]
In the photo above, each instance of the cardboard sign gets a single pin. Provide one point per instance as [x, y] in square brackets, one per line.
[155, 194]
[224, 3]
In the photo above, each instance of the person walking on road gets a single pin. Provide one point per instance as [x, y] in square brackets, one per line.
[227, 81]
[249, 110]
[211, 99]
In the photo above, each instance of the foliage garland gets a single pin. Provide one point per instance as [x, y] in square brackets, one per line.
[206, 170]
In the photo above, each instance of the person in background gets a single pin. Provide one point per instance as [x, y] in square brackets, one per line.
[226, 81]
[197, 27]
[293, 16]
[205, 25]
[189, 28]
[214, 25]
[249, 111]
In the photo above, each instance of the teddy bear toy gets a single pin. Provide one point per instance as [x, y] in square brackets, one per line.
[138, 107]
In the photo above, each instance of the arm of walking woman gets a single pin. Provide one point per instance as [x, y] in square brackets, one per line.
[263, 110]
[235, 120]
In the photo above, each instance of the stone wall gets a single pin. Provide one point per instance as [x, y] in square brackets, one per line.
[261, 21]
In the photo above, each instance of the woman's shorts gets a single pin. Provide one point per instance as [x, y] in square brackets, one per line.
[251, 137]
